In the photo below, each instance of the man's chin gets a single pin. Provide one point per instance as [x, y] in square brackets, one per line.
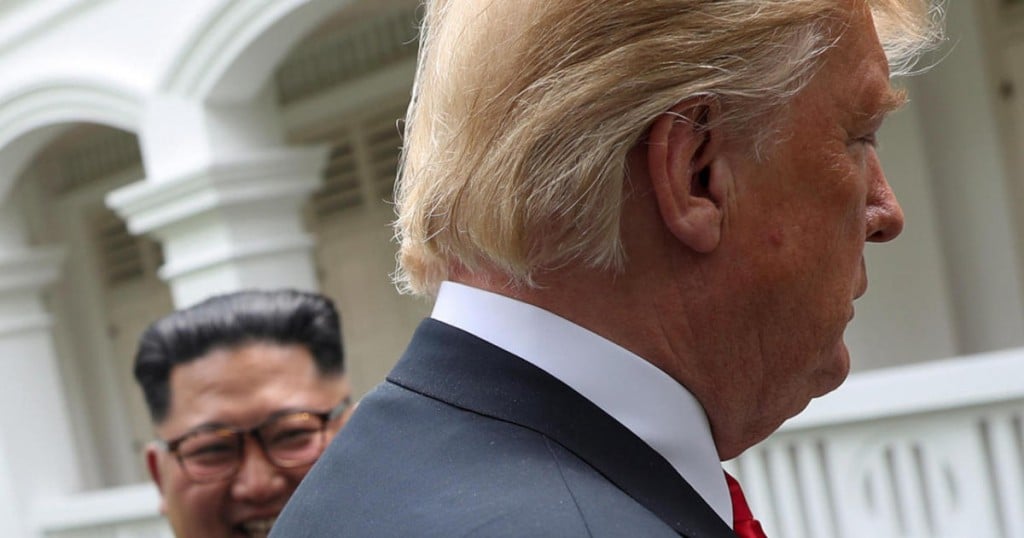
[833, 374]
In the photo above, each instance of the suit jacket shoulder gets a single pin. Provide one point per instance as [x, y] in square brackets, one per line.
[409, 465]
[465, 439]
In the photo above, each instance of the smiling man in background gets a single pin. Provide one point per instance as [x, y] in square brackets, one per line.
[644, 222]
[245, 391]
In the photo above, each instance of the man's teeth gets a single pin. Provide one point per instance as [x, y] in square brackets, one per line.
[259, 528]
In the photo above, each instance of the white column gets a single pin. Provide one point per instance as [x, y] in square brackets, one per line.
[957, 112]
[224, 195]
[37, 454]
[230, 226]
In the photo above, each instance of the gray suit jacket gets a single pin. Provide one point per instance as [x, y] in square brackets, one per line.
[465, 439]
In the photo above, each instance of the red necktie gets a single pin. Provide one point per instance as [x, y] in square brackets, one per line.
[744, 523]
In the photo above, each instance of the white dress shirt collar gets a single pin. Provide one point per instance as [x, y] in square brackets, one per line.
[641, 397]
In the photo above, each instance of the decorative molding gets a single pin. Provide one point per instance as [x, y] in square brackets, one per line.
[271, 175]
[28, 112]
[212, 43]
[27, 272]
[194, 263]
[30, 270]
[19, 23]
[189, 213]
[58, 101]
[248, 36]
[24, 323]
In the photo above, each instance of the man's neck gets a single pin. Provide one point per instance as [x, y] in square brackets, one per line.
[653, 328]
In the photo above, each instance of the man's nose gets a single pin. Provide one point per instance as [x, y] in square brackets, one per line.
[884, 214]
[258, 480]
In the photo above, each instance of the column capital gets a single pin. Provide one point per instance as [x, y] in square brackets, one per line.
[232, 224]
[24, 275]
[278, 174]
[30, 270]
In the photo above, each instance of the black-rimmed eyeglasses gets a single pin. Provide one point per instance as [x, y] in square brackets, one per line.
[289, 438]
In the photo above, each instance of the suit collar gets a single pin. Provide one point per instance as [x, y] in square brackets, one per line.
[451, 365]
[658, 409]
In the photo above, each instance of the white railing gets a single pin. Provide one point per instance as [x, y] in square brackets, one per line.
[934, 450]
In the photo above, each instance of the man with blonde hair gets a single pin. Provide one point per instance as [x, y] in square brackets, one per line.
[644, 223]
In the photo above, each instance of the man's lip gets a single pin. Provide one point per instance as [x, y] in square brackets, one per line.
[863, 288]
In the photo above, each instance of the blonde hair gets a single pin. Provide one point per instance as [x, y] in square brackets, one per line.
[523, 114]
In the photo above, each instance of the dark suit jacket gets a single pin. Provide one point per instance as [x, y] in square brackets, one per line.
[465, 439]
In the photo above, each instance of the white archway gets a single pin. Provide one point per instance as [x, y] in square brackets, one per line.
[31, 116]
[234, 53]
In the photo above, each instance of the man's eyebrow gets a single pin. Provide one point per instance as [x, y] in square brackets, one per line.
[207, 426]
[218, 425]
[892, 100]
[879, 103]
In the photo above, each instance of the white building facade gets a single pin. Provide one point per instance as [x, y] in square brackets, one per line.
[153, 153]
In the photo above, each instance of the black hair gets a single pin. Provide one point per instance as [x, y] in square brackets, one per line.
[233, 320]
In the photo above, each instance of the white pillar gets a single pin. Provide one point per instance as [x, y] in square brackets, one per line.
[224, 195]
[37, 456]
[230, 226]
[957, 112]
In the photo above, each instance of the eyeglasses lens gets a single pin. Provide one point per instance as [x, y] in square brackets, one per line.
[210, 455]
[294, 440]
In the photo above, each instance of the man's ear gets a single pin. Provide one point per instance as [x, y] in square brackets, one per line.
[348, 412]
[153, 465]
[339, 424]
[688, 173]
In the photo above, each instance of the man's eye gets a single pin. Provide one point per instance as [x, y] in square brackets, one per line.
[210, 450]
[870, 140]
[294, 435]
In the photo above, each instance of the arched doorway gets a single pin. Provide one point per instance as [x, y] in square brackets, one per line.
[109, 291]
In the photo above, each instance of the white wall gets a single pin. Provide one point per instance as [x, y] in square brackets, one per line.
[906, 315]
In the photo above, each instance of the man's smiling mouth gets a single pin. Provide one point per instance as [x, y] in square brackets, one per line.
[256, 528]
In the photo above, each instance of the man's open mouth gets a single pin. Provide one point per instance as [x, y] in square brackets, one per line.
[256, 528]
